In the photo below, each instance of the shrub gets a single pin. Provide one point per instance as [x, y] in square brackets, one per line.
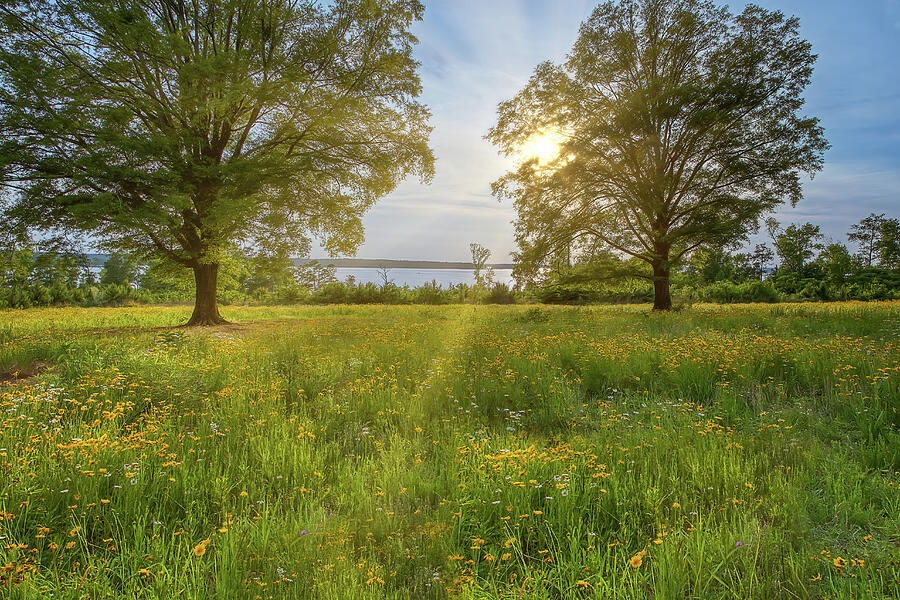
[291, 294]
[726, 292]
[431, 293]
[499, 294]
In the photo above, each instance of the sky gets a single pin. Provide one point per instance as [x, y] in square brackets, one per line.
[477, 53]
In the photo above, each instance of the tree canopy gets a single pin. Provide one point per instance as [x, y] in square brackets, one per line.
[866, 234]
[796, 245]
[679, 124]
[889, 244]
[177, 129]
[483, 272]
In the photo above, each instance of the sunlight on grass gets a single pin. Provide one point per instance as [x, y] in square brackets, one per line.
[454, 451]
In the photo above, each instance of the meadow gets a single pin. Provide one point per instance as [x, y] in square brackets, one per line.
[521, 452]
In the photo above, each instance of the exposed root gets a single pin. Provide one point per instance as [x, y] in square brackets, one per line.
[206, 322]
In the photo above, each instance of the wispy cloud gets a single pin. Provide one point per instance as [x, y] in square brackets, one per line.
[843, 194]
[475, 54]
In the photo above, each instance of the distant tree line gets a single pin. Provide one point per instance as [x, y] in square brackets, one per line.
[797, 264]
[30, 277]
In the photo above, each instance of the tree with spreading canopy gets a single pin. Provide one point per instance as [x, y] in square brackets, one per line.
[180, 128]
[678, 125]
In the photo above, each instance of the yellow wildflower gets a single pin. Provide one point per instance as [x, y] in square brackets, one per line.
[638, 559]
[200, 549]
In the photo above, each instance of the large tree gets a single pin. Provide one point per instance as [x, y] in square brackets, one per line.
[178, 128]
[679, 125]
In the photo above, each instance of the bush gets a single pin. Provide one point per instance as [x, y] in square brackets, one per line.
[334, 292]
[725, 292]
[868, 284]
[787, 283]
[291, 294]
[60, 294]
[364, 293]
[499, 294]
[115, 293]
[868, 291]
[814, 289]
[41, 296]
[587, 293]
[431, 293]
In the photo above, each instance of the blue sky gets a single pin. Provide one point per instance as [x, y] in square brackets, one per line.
[475, 53]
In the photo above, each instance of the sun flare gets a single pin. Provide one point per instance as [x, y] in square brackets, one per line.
[543, 146]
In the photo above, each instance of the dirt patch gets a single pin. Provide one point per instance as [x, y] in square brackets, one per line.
[18, 374]
[234, 329]
[224, 327]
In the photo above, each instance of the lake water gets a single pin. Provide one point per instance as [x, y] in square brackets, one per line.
[410, 277]
[418, 277]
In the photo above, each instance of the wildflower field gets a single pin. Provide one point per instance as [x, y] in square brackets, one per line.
[451, 452]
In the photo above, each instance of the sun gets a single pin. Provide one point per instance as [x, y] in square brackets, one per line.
[543, 146]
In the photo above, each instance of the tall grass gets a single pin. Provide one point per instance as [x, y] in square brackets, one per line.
[452, 451]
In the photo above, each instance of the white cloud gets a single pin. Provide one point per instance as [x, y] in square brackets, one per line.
[475, 54]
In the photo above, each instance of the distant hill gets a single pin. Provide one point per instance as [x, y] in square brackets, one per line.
[360, 263]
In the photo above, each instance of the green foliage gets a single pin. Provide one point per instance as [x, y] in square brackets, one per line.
[795, 245]
[179, 129]
[867, 234]
[725, 292]
[168, 280]
[313, 274]
[119, 269]
[267, 271]
[712, 264]
[716, 275]
[873, 284]
[342, 292]
[836, 264]
[484, 273]
[680, 126]
[575, 292]
[499, 293]
[31, 278]
[888, 245]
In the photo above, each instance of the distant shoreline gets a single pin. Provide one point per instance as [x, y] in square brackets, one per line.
[383, 263]
[362, 263]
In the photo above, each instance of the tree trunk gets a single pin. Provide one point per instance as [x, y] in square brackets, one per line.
[206, 310]
[662, 298]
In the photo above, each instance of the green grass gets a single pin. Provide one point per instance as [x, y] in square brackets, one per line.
[466, 452]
